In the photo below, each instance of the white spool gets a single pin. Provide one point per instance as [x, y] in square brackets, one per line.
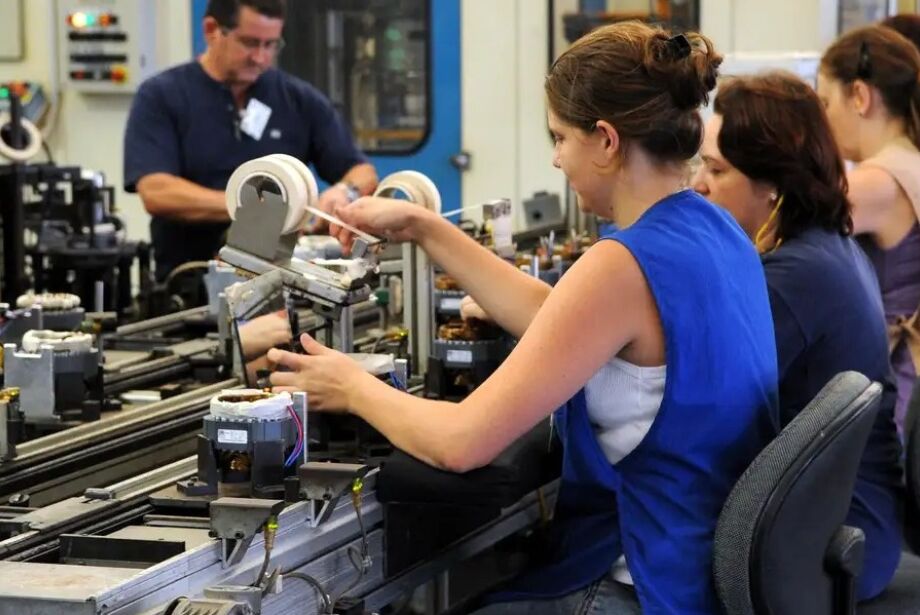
[30, 150]
[308, 179]
[231, 404]
[417, 186]
[296, 182]
[48, 301]
[33, 340]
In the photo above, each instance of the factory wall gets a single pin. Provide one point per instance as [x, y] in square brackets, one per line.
[504, 124]
[89, 128]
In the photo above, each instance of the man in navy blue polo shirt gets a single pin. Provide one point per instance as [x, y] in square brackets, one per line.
[192, 125]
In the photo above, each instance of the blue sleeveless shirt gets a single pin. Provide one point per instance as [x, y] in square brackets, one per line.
[659, 505]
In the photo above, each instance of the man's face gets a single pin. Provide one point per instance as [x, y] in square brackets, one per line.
[245, 52]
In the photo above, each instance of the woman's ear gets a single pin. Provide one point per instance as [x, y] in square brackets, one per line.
[861, 97]
[610, 139]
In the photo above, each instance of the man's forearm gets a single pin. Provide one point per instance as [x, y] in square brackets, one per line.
[180, 199]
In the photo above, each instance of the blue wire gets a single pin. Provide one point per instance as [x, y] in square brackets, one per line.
[396, 382]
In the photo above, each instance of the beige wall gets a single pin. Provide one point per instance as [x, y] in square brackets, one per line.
[504, 60]
[89, 128]
[774, 25]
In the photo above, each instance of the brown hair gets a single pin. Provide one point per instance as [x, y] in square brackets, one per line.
[646, 83]
[774, 130]
[887, 61]
[906, 25]
[227, 12]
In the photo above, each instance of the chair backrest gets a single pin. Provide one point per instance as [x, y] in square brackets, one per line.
[912, 467]
[778, 521]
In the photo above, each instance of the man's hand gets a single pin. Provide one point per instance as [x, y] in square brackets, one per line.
[337, 195]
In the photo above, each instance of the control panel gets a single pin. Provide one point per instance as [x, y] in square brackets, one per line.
[34, 102]
[107, 46]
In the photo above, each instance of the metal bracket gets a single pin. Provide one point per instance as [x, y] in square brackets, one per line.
[210, 607]
[236, 521]
[255, 245]
[10, 417]
[323, 483]
[243, 595]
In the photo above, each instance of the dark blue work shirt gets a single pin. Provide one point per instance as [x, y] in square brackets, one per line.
[185, 123]
[828, 318]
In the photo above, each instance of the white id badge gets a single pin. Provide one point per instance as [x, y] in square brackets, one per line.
[255, 118]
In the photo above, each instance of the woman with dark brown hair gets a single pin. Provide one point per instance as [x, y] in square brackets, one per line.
[770, 159]
[869, 82]
[906, 24]
[657, 343]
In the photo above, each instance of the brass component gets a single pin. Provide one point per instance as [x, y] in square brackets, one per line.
[251, 397]
[239, 462]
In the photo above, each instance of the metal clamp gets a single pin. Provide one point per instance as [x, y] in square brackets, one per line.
[236, 521]
[323, 483]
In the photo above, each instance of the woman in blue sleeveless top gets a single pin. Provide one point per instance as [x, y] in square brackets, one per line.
[656, 347]
[769, 157]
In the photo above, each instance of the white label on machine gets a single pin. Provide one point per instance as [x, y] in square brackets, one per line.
[502, 232]
[232, 436]
[451, 303]
[460, 356]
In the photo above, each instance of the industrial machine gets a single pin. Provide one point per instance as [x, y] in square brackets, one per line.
[241, 500]
[60, 228]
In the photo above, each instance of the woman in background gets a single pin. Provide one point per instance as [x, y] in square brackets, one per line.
[869, 83]
[769, 158]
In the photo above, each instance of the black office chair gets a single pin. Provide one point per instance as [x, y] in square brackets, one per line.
[903, 594]
[781, 547]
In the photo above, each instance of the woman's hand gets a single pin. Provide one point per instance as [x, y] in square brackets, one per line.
[392, 219]
[470, 309]
[329, 378]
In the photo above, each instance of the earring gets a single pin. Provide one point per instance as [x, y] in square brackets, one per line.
[774, 197]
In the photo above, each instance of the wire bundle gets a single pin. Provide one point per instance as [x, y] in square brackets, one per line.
[396, 382]
[298, 448]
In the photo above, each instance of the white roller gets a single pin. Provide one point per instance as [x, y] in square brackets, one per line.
[48, 301]
[233, 404]
[30, 150]
[33, 340]
[295, 188]
[308, 179]
[417, 186]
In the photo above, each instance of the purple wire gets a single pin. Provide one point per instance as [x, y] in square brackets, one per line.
[301, 437]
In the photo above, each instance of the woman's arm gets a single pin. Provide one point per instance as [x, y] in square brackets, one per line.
[874, 194]
[508, 295]
[595, 311]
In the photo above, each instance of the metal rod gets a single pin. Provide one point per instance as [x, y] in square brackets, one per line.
[100, 296]
[161, 321]
[347, 330]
